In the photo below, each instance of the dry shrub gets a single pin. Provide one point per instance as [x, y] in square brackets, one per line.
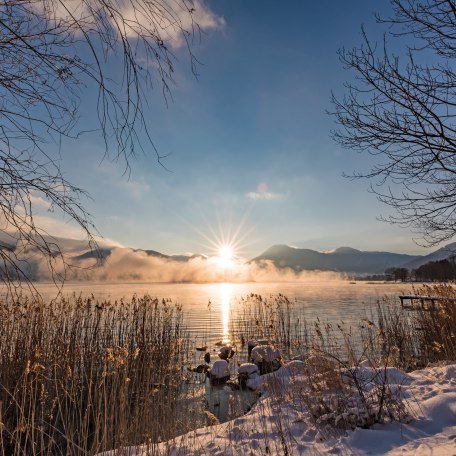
[81, 377]
[349, 396]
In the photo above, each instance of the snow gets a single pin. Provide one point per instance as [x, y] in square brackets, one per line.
[280, 424]
[220, 369]
[247, 368]
[266, 353]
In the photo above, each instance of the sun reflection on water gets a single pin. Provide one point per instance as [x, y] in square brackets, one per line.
[225, 305]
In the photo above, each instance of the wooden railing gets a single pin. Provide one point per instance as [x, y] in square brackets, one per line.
[425, 302]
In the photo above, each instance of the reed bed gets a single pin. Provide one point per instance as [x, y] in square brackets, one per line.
[78, 377]
[410, 339]
[276, 319]
[422, 336]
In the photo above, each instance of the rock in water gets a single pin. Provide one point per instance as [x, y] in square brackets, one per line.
[247, 375]
[251, 344]
[219, 373]
[200, 369]
[267, 358]
[226, 352]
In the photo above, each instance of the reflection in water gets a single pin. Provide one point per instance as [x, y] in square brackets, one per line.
[225, 301]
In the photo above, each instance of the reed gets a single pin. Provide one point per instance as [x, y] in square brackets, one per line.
[422, 336]
[276, 319]
[80, 377]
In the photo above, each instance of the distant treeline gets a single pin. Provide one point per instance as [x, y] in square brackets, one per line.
[433, 271]
[440, 271]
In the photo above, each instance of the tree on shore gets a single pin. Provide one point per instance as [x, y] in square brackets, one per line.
[402, 110]
[397, 274]
[441, 271]
[52, 54]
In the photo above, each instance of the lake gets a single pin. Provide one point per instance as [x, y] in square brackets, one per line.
[209, 307]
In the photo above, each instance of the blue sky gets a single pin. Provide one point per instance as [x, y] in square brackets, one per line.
[249, 142]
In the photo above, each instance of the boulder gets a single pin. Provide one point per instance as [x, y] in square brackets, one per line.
[226, 352]
[247, 372]
[219, 373]
[267, 358]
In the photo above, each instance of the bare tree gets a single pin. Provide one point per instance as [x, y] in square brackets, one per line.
[402, 110]
[52, 52]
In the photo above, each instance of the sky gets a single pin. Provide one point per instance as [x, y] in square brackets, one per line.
[248, 146]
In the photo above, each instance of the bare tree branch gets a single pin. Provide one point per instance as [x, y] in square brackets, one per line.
[52, 53]
[402, 110]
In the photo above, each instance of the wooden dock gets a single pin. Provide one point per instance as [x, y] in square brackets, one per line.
[423, 302]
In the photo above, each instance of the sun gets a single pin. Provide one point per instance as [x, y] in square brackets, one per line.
[226, 253]
[225, 256]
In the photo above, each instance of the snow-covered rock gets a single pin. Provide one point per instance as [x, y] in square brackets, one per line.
[265, 353]
[220, 370]
[247, 368]
[226, 352]
[248, 376]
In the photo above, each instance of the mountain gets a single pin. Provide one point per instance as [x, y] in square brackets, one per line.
[441, 254]
[78, 255]
[343, 259]
[100, 255]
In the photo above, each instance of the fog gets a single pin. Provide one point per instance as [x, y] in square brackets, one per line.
[127, 265]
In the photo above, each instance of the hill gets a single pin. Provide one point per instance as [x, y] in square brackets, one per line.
[343, 259]
[441, 254]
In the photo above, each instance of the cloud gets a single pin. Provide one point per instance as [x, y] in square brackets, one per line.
[177, 12]
[58, 227]
[134, 18]
[265, 196]
[38, 201]
[262, 193]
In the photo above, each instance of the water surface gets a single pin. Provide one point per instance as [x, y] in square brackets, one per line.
[208, 308]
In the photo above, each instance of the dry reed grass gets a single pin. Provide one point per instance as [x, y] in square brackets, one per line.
[81, 377]
[348, 369]
[78, 377]
[419, 337]
[275, 318]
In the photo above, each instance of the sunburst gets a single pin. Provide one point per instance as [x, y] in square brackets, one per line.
[225, 255]
[225, 242]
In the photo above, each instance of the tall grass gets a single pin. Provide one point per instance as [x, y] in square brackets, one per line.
[276, 319]
[80, 377]
[348, 369]
[421, 336]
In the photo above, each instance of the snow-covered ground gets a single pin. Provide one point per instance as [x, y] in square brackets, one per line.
[280, 424]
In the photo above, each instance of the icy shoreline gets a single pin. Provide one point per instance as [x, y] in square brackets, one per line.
[279, 425]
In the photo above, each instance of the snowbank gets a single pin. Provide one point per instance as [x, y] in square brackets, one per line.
[280, 424]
